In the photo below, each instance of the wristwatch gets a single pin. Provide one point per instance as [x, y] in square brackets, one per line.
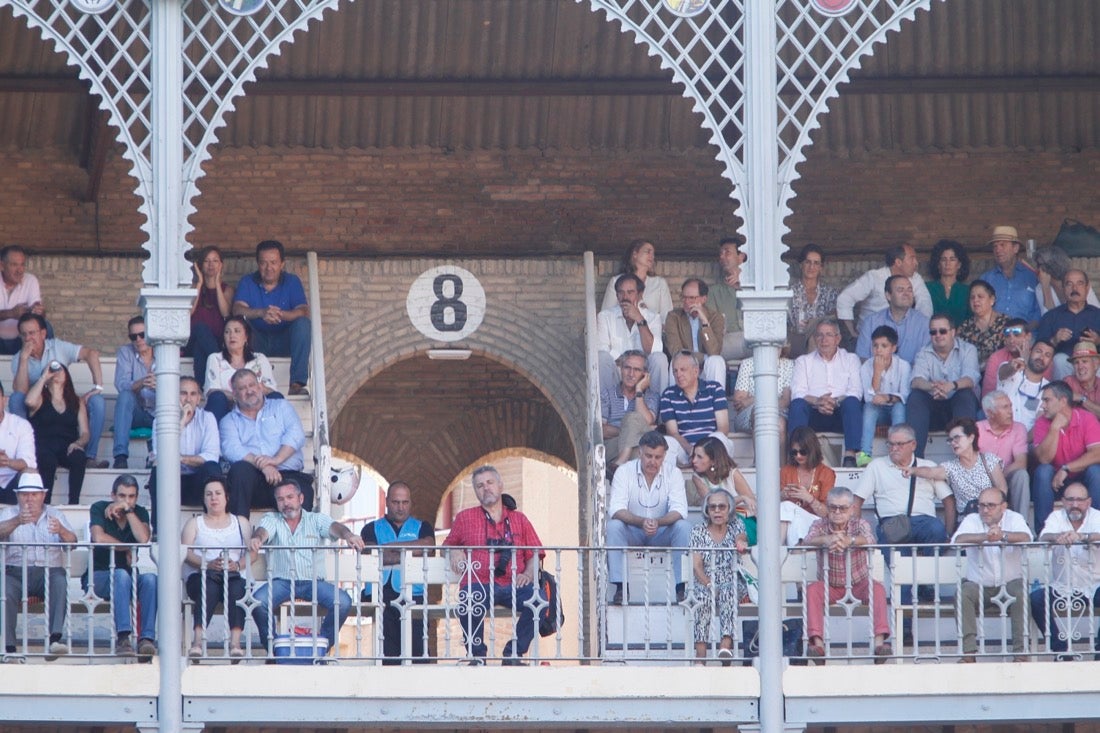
[98, 386]
[642, 323]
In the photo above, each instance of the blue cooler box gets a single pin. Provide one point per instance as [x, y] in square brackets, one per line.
[299, 649]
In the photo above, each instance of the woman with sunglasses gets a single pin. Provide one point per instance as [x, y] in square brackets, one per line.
[714, 470]
[970, 472]
[718, 586]
[638, 260]
[949, 266]
[805, 480]
[985, 327]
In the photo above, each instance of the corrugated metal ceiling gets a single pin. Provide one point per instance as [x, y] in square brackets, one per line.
[995, 73]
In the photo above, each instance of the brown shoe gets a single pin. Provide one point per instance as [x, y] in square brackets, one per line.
[815, 654]
[882, 653]
[93, 463]
[297, 388]
[1021, 658]
[967, 659]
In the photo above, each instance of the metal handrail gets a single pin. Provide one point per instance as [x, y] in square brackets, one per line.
[322, 449]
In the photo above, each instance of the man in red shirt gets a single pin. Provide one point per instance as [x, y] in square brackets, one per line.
[490, 576]
[1083, 381]
[1067, 446]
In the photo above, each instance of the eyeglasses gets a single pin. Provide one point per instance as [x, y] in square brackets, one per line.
[1013, 331]
[717, 506]
[1076, 499]
[989, 504]
[633, 369]
[957, 437]
[799, 452]
[900, 443]
[138, 335]
[838, 507]
[939, 331]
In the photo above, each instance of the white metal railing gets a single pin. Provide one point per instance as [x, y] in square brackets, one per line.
[453, 607]
[322, 449]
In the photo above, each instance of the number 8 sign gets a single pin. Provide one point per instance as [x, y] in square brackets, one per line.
[446, 303]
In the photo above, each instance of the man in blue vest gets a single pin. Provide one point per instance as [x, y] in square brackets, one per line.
[398, 529]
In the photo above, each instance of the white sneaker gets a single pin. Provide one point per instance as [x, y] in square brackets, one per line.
[57, 649]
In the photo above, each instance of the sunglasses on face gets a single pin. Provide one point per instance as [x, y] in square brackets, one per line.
[799, 452]
[138, 335]
[1013, 331]
[939, 331]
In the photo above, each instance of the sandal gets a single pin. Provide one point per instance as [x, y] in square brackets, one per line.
[195, 651]
[236, 652]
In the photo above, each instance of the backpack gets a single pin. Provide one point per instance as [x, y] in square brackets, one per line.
[551, 616]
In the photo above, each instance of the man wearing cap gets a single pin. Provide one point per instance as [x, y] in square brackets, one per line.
[120, 522]
[868, 292]
[1012, 280]
[1073, 320]
[1083, 381]
[32, 522]
[16, 450]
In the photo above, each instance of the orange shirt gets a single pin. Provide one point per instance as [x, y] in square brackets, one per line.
[823, 482]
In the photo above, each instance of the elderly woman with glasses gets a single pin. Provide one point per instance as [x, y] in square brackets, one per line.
[970, 472]
[715, 545]
[843, 568]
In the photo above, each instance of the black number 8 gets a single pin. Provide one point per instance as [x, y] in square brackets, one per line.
[444, 303]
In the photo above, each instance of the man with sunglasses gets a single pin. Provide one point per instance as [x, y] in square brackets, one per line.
[494, 577]
[137, 389]
[945, 378]
[38, 351]
[1066, 442]
[1024, 386]
[1010, 358]
[994, 571]
[1074, 530]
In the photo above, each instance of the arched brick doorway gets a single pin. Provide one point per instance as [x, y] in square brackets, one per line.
[424, 421]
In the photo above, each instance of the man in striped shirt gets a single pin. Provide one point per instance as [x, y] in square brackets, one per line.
[691, 410]
[295, 563]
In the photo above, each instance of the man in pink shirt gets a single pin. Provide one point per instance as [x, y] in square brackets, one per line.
[1067, 447]
[1007, 439]
[1083, 381]
[20, 294]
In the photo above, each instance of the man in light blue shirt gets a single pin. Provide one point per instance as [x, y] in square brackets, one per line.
[263, 440]
[945, 382]
[1013, 281]
[296, 569]
[910, 324]
[137, 389]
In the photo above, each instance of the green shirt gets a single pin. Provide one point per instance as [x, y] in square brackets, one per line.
[101, 556]
[302, 563]
[724, 299]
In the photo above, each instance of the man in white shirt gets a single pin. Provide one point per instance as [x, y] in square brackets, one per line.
[994, 574]
[826, 390]
[1024, 386]
[647, 508]
[1074, 531]
[16, 450]
[630, 325]
[20, 294]
[869, 290]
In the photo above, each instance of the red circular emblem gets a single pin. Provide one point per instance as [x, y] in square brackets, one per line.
[833, 7]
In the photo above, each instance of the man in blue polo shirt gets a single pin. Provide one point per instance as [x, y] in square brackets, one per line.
[910, 324]
[1012, 280]
[1070, 322]
[274, 302]
[399, 528]
[691, 410]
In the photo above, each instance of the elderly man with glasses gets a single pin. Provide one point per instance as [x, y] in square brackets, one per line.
[994, 571]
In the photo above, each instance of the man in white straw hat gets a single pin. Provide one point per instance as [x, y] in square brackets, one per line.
[1013, 280]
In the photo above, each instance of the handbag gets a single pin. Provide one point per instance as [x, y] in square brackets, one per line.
[792, 640]
[897, 529]
[972, 506]
[1077, 239]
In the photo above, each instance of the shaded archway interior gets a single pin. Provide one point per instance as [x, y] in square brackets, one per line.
[424, 421]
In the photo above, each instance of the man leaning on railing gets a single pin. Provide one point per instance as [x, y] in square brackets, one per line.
[294, 567]
[994, 572]
[1074, 561]
[37, 570]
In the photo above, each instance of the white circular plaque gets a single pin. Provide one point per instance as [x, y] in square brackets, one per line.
[93, 7]
[686, 8]
[242, 7]
[446, 303]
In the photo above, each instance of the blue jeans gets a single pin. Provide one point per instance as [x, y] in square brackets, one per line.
[621, 534]
[278, 591]
[122, 590]
[97, 413]
[1044, 608]
[291, 340]
[848, 419]
[925, 530]
[1042, 490]
[474, 600]
[875, 415]
[128, 415]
